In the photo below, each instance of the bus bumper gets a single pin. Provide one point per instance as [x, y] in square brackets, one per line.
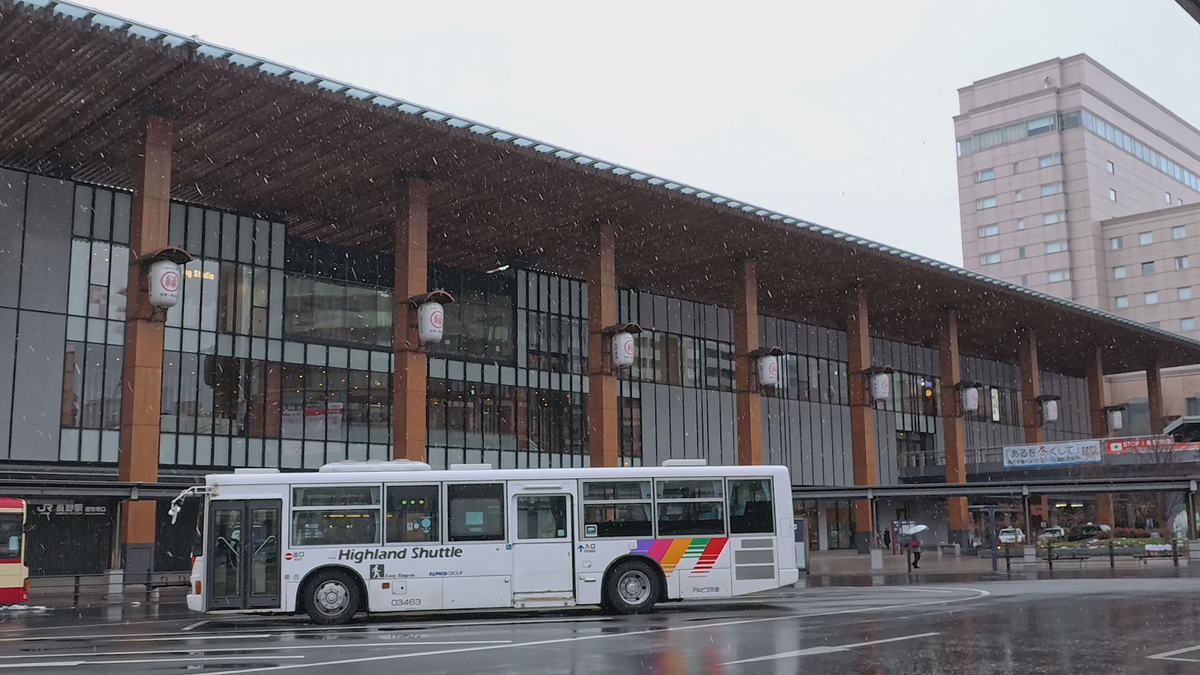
[13, 596]
[195, 602]
[788, 577]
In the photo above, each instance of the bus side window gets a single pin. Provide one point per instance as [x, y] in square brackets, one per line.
[412, 514]
[476, 511]
[750, 508]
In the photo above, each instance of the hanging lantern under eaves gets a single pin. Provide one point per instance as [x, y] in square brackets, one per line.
[431, 317]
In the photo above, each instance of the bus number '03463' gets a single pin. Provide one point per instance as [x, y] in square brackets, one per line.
[406, 602]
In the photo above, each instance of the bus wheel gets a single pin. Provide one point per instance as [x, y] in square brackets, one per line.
[331, 597]
[632, 588]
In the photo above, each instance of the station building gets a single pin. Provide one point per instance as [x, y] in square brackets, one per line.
[317, 215]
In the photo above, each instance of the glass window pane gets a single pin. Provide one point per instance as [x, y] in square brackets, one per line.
[617, 520]
[341, 527]
[614, 490]
[691, 518]
[542, 517]
[476, 512]
[412, 513]
[689, 489]
[750, 507]
[342, 495]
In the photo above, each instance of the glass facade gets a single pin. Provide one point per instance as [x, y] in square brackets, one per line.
[279, 355]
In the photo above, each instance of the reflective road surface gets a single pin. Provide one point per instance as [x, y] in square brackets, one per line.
[1143, 625]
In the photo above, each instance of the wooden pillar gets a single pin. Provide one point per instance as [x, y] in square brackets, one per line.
[862, 413]
[1154, 397]
[141, 372]
[1031, 385]
[1099, 426]
[602, 413]
[745, 340]
[411, 278]
[949, 372]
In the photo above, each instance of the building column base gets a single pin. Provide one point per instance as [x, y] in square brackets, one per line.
[862, 542]
[137, 562]
[960, 537]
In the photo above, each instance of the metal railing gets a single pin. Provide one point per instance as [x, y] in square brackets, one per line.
[83, 587]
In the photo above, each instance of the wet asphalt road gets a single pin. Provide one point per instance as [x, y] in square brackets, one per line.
[1140, 625]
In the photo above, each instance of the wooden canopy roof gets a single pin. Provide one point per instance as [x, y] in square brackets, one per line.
[325, 157]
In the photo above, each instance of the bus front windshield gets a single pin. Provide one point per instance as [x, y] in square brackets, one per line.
[10, 536]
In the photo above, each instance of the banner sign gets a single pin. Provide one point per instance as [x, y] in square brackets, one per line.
[1052, 454]
[1127, 446]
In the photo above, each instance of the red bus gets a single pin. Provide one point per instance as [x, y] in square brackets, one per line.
[14, 575]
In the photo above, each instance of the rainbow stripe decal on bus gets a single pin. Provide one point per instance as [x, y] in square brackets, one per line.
[669, 553]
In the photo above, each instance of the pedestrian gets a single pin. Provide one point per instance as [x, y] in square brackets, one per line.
[915, 546]
[887, 539]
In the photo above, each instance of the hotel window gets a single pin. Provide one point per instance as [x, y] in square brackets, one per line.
[1178, 232]
[1148, 268]
[1168, 194]
[1181, 262]
[1145, 238]
[1052, 218]
[1179, 201]
[1150, 298]
[1058, 275]
[1020, 223]
[1184, 293]
[1024, 281]
[1116, 243]
[1052, 189]
[1017, 196]
[1112, 195]
[1121, 301]
[989, 231]
[985, 203]
[985, 175]
[1056, 246]
[1154, 324]
[1111, 168]
[1119, 272]
[1049, 160]
[1021, 253]
[989, 258]
[1187, 324]
[1016, 167]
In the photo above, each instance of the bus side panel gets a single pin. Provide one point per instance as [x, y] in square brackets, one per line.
[755, 563]
[405, 595]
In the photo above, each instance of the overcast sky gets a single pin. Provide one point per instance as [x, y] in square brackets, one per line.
[837, 112]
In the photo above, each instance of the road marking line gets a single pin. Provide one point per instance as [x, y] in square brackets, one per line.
[1167, 656]
[194, 625]
[826, 650]
[917, 590]
[154, 637]
[283, 630]
[74, 664]
[980, 594]
[275, 648]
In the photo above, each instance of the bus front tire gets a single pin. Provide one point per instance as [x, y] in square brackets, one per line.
[632, 588]
[331, 597]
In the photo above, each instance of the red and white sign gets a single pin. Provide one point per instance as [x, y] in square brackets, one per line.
[1151, 444]
[430, 318]
[164, 284]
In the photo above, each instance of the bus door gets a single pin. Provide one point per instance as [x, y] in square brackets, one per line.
[243, 554]
[542, 541]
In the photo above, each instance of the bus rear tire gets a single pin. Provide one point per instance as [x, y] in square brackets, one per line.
[632, 588]
[331, 597]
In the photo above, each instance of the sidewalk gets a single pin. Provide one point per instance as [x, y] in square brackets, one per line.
[98, 590]
[833, 565]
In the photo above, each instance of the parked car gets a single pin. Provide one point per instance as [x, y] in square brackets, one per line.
[1011, 535]
[1053, 534]
[1084, 532]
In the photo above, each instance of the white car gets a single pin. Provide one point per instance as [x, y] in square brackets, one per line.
[1011, 535]
[1054, 533]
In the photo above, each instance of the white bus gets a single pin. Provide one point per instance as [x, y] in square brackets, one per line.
[400, 537]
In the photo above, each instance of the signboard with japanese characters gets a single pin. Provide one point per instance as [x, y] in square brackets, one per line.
[1052, 454]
